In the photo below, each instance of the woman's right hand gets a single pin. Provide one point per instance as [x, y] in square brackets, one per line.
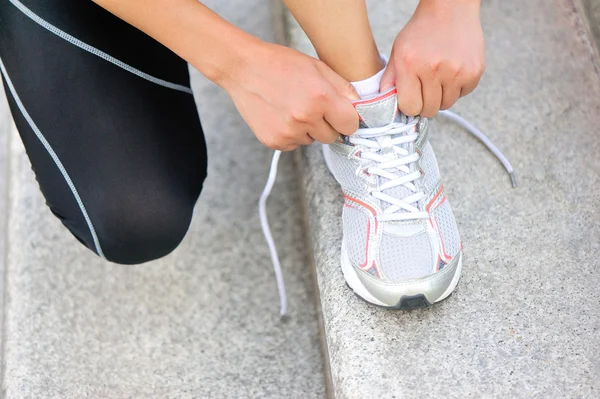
[290, 99]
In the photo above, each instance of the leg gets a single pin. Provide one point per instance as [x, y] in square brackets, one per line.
[341, 34]
[118, 150]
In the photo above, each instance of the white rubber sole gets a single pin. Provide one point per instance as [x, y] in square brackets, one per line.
[426, 290]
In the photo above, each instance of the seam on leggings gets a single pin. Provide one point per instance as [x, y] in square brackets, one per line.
[91, 49]
[55, 158]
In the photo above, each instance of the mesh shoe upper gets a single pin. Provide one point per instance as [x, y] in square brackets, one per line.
[401, 240]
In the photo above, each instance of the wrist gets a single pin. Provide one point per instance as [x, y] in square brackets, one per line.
[231, 55]
[450, 4]
[444, 9]
[212, 45]
[453, 2]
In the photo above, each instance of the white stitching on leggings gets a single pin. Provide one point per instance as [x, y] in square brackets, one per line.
[55, 158]
[95, 51]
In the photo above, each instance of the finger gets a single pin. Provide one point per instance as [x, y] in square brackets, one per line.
[299, 134]
[410, 96]
[306, 140]
[277, 143]
[388, 80]
[450, 95]
[341, 115]
[341, 85]
[432, 97]
[289, 147]
[324, 133]
[468, 88]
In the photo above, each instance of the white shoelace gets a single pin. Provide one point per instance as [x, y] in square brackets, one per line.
[264, 223]
[382, 145]
[383, 139]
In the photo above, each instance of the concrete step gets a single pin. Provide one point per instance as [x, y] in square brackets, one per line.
[5, 125]
[524, 320]
[201, 323]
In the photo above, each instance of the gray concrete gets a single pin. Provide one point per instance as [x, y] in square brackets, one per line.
[592, 12]
[5, 122]
[202, 323]
[525, 320]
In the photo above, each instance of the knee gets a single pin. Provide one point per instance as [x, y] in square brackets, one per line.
[140, 231]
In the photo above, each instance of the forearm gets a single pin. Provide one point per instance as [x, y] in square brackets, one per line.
[191, 30]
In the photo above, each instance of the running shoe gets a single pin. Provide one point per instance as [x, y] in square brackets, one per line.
[401, 247]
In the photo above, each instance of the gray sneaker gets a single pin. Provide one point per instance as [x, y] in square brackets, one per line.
[401, 247]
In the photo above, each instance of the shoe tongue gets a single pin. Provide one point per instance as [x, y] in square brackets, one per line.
[379, 111]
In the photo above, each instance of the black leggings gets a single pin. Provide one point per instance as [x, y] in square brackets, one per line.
[109, 123]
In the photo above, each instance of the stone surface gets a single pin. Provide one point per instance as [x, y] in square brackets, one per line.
[5, 122]
[592, 9]
[201, 323]
[525, 320]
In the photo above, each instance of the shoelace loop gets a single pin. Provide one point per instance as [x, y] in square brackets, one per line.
[262, 211]
[264, 224]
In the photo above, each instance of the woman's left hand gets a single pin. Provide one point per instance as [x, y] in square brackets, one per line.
[438, 57]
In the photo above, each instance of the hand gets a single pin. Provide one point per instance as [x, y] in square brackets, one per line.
[289, 99]
[438, 57]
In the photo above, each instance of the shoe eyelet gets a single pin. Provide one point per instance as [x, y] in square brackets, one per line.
[422, 125]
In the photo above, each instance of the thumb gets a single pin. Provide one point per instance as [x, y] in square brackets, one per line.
[388, 80]
[341, 85]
